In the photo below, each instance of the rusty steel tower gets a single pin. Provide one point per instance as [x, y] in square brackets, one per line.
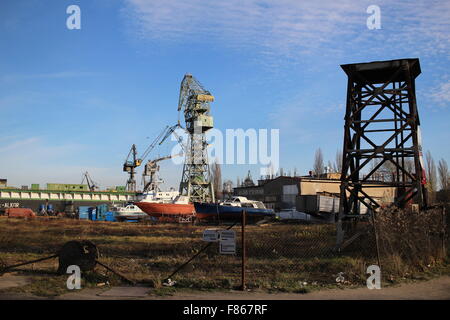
[382, 128]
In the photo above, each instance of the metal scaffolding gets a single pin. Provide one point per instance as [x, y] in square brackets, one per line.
[195, 102]
[382, 129]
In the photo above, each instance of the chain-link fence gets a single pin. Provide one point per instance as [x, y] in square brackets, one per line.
[279, 256]
[295, 257]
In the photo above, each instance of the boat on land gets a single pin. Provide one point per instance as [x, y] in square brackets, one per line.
[127, 212]
[158, 196]
[293, 216]
[232, 210]
[179, 207]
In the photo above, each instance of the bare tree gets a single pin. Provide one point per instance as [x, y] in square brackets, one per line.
[431, 175]
[216, 179]
[227, 189]
[377, 175]
[443, 174]
[409, 167]
[318, 163]
[270, 171]
[388, 170]
[330, 167]
[338, 162]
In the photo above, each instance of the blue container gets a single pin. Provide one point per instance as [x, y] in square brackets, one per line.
[41, 207]
[83, 216]
[101, 212]
[109, 216]
[92, 214]
[83, 209]
[83, 212]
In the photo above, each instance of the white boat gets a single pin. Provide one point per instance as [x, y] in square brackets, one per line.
[232, 210]
[127, 212]
[292, 215]
[159, 197]
[243, 202]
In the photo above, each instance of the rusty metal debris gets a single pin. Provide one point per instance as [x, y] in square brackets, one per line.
[83, 254]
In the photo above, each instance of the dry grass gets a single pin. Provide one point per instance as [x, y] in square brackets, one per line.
[294, 258]
[411, 242]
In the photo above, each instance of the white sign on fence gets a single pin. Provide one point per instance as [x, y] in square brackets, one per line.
[227, 242]
[227, 235]
[227, 247]
[227, 239]
[211, 235]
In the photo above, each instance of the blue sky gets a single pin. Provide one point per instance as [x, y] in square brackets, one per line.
[75, 100]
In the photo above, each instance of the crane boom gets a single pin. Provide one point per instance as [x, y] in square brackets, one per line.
[170, 131]
[153, 144]
[190, 87]
[133, 161]
[91, 184]
[151, 170]
[130, 166]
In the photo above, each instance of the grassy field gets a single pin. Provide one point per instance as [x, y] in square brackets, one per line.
[291, 258]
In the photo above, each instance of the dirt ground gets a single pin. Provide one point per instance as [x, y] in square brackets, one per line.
[435, 289]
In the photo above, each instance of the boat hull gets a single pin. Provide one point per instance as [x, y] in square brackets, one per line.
[166, 209]
[213, 211]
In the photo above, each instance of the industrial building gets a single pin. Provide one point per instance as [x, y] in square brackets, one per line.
[304, 193]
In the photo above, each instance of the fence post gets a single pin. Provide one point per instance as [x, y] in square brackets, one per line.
[376, 239]
[244, 249]
[444, 229]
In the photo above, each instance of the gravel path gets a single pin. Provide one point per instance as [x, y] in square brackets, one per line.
[436, 289]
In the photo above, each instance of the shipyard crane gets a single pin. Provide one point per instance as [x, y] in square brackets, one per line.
[151, 170]
[93, 186]
[194, 102]
[133, 161]
[129, 166]
[171, 130]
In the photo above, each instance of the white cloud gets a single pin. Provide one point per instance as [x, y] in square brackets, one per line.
[18, 144]
[289, 28]
[441, 94]
[267, 24]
